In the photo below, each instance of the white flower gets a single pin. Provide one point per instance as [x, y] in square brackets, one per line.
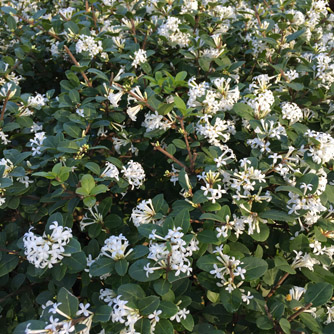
[47, 250]
[296, 292]
[37, 142]
[80, 112]
[134, 174]
[181, 314]
[305, 260]
[37, 102]
[115, 247]
[140, 57]
[95, 218]
[110, 171]
[88, 44]
[84, 310]
[143, 213]
[291, 112]
[246, 298]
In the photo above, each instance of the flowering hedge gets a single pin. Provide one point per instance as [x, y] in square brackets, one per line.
[167, 166]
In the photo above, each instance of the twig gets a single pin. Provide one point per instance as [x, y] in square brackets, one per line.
[87, 128]
[159, 148]
[278, 284]
[9, 251]
[145, 40]
[301, 310]
[259, 21]
[5, 105]
[185, 135]
[87, 6]
[135, 96]
[94, 17]
[75, 62]
[17, 291]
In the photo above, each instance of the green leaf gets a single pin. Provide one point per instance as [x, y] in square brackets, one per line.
[255, 267]
[76, 262]
[282, 264]
[102, 313]
[311, 323]
[182, 219]
[164, 327]
[212, 216]
[207, 237]
[188, 322]
[243, 110]
[99, 189]
[101, 266]
[179, 144]
[137, 272]
[87, 184]
[89, 201]
[277, 215]
[74, 96]
[143, 326]
[164, 108]
[206, 262]
[263, 322]
[309, 178]
[263, 234]
[295, 35]
[72, 130]
[99, 74]
[295, 85]
[181, 76]
[179, 103]
[73, 246]
[285, 325]
[231, 301]
[121, 267]
[161, 286]
[34, 325]
[131, 292]
[205, 62]
[92, 166]
[318, 293]
[290, 188]
[8, 263]
[148, 305]
[168, 309]
[69, 303]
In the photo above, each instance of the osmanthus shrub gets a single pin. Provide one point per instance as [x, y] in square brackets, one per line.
[167, 167]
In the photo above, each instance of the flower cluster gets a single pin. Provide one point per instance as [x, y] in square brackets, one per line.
[47, 250]
[174, 257]
[228, 269]
[115, 247]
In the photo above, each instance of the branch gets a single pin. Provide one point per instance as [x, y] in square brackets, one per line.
[301, 310]
[259, 20]
[75, 62]
[278, 284]
[12, 252]
[185, 135]
[17, 291]
[159, 148]
[134, 95]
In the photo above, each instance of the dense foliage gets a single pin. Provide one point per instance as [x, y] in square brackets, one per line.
[167, 166]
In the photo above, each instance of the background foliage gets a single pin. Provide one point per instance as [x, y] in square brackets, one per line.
[166, 166]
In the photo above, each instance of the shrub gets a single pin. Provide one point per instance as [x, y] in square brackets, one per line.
[167, 167]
